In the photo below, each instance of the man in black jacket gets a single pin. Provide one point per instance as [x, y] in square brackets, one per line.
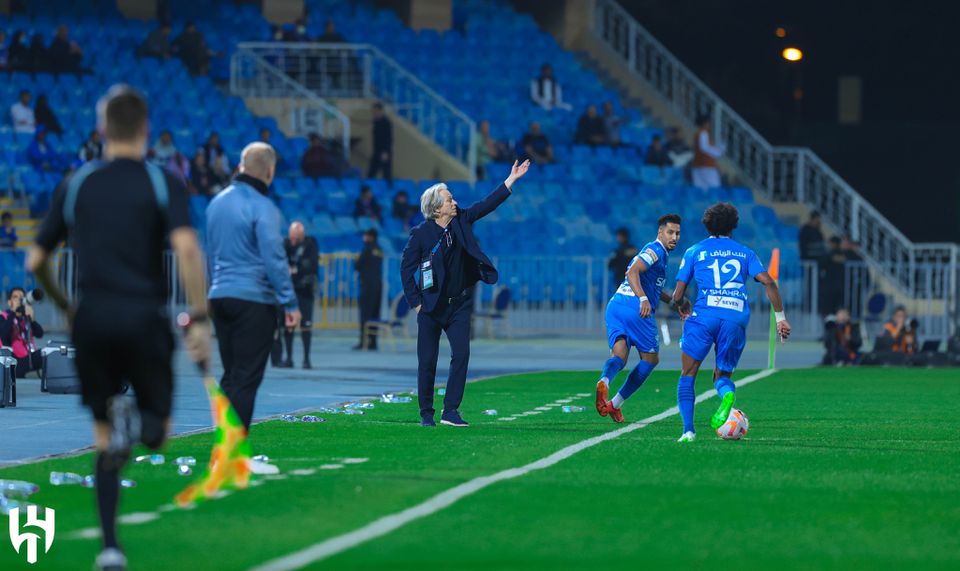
[448, 256]
[303, 257]
[369, 268]
[382, 158]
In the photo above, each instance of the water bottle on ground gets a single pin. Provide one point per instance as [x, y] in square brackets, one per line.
[571, 408]
[65, 479]
[289, 418]
[185, 461]
[311, 418]
[17, 488]
[490, 412]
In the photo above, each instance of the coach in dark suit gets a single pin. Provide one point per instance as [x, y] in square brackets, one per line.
[450, 262]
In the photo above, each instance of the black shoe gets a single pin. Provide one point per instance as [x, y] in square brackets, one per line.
[306, 365]
[288, 364]
[427, 421]
[452, 418]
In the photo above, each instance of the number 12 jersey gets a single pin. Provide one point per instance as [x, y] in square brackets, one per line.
[720, 267]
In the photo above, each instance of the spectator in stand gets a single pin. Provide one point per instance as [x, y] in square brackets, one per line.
[545, 91]
[45, 117]
[191, 46]
[382, 159]
[278, 35]
[851, 248]
[402, 210]
[38, 55]
[163, 150]
[18, 55]
[901, 332]
[590, 128]
[488, 149]
[179, 165]
[842, 339]
[705, 173]
[812, 246]
[157, 43]
[42, 156]
[299, 33]
[216, 157]
[64, 54]
[367, 206]
[832, 267]
[536, 145]
[4, 51]
[622, 255]
[8, 233]
[92, 148]
[265, 136]
[22, 116]
[657, 154]
[612, 123]
[202, 179]
[316, 160]
[331, 35]
[677, 149]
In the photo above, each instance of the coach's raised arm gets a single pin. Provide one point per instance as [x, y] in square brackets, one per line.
[450, 262]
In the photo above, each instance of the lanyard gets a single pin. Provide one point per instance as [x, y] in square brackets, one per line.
[442, 236]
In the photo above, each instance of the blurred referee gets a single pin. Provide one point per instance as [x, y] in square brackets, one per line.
[118, 215]
[249, 279]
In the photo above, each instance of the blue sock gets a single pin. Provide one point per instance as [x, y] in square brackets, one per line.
[724, 385]
[685, 398]
[634, 381]
[613, 366]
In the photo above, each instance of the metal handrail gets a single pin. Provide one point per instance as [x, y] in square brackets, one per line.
[238, 87]
[383, 78]
[780, 173]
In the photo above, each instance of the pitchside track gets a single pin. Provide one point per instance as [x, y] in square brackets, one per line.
[842, 469]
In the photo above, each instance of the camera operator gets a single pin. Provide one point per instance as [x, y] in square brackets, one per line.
[18, 330]
[903, 333]
[842, 339]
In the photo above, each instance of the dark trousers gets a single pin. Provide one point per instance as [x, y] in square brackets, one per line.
[369, 311]
[32, 362]
[245, 334]
[377, 164]
[454, 319]
[306, 301]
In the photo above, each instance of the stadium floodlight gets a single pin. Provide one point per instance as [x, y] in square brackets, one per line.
[792, 54]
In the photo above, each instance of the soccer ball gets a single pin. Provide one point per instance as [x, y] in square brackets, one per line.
[735, 427]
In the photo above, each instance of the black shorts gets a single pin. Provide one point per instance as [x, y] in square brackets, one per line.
[124, 342]
[306, 300]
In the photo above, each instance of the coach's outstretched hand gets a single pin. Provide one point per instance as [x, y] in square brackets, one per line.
[516, 171]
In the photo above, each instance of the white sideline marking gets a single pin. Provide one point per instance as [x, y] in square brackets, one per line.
[563, 401]
[354, 460]
[303, 472]
[507, 418]
[389, 523]
[331, 466]
[542, 408]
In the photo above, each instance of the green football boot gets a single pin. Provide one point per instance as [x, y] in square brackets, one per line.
[723, 412]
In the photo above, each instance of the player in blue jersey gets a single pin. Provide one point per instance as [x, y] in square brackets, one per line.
[630, 317]
[720, 266]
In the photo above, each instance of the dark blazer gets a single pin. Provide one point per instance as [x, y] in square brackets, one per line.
[423, 238]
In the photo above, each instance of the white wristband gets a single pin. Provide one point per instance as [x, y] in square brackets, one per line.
[643, 298]
[780, 316]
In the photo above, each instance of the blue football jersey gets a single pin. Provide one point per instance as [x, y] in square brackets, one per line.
[720, 266]
[655, 257]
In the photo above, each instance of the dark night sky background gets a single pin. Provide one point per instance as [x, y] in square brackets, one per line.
[905, 155]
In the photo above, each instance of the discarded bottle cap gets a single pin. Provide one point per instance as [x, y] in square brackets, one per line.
[311, 418]
[17, 488]
[570, 408]
[289, 418]
[184, 470]
[185, 461]
[490, 412]
[261, 458]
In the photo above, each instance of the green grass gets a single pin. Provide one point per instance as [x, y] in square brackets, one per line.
[842, 469]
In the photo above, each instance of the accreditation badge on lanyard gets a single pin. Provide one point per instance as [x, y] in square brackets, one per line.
[426, 268]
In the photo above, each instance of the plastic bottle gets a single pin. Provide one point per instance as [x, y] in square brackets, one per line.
[571, 408]
[289, 418]
[185, 461]
[154, 459]
[311, 418]
[261, 458]
[65, 479]
[17, 488]
[490, 412]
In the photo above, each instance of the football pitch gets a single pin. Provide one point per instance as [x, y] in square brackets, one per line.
[841, 469]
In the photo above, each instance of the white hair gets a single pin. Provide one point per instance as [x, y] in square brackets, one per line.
[431, 200]
[257, 159]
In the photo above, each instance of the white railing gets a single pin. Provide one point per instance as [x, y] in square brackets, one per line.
[252, 75]
[780, 173]
[362, 70]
